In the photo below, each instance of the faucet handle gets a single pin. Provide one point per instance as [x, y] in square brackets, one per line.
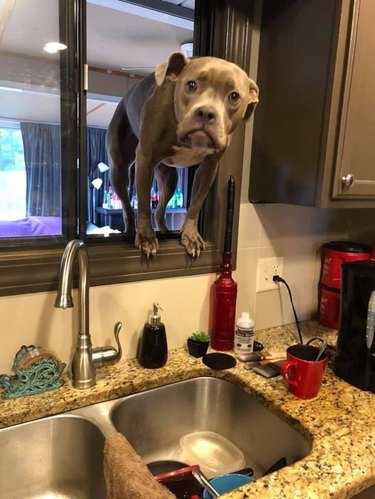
[105, 356]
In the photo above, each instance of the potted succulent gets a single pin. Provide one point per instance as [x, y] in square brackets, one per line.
[198, 343]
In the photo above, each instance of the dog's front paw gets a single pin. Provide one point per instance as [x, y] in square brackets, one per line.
[192, 240]
[147, 243]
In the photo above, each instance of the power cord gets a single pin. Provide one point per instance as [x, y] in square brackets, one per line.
[277, 278]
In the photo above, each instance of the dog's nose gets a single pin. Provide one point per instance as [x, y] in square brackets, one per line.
[206, 114]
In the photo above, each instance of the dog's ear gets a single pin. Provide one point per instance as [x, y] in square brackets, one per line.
[253, 98]
[171, 69]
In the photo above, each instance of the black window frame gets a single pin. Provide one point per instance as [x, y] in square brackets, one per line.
[222, 29]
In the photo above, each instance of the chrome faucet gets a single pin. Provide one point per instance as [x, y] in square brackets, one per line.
[86, 358]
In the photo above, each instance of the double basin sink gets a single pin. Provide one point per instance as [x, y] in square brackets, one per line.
[62, 456]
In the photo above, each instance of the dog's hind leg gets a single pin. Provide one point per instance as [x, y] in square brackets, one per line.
[121, 144]
[119, 181]
[166, 177]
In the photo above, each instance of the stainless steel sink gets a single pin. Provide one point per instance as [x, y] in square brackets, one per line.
[62, 456]
[154, 421]
[57, 457]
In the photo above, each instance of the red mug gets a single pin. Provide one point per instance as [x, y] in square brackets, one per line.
[302, 372]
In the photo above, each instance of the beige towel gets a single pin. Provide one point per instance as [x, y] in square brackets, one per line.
[126, 475]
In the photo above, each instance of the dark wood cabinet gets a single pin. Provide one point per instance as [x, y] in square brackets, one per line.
[314, 129]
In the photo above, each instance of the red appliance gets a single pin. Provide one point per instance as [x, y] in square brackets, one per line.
[329, 307]
[334, 254]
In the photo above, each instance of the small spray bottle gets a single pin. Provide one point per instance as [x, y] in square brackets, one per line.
[153, 348]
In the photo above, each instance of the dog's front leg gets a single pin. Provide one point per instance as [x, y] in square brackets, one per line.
[203, 179]
[145, 238]
[167, 178]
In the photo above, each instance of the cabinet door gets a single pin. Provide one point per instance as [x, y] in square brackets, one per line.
[355, 164]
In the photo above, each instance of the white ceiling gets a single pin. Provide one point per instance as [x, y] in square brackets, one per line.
[119, 35]
[118, 38]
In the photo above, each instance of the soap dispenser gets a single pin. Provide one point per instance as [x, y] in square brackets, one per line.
[153, 349]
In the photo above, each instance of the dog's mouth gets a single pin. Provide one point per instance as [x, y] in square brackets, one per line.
[199, 138]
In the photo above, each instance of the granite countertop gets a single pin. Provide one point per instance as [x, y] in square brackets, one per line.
[340, 421]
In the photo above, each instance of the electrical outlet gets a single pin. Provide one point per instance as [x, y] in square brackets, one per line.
[267, 268]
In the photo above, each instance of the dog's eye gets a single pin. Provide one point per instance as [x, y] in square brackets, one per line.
[191, 85]
[234, 97]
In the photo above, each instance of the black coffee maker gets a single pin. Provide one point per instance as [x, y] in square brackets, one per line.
[355, 359]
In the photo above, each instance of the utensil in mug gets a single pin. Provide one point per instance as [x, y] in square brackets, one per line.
[321, 350]
[302, 371]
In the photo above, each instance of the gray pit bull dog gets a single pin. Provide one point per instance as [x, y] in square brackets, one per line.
[182, 115]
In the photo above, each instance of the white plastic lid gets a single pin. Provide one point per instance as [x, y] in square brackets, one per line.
[215, 454]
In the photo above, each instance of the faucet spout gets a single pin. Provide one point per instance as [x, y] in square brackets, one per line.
[86, 359]
[83, 369]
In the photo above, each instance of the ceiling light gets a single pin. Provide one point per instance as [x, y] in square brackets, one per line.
[54, 47]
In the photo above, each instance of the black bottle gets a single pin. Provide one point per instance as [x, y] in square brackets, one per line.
[153, 348]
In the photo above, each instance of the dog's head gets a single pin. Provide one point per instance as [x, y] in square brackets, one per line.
[212, 96]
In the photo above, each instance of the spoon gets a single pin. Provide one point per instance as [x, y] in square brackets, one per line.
[321, 350]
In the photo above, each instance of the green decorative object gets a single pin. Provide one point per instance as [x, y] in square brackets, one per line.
[36, 371]
[197, 344]
[200, 336]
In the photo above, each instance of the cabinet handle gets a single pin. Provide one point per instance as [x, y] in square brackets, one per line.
[347, 181]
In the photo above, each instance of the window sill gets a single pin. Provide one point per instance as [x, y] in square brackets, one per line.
[30, 271]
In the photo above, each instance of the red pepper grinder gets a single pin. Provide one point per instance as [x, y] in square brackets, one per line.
[224, 289]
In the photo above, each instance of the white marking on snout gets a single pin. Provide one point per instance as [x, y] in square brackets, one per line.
[215, 128]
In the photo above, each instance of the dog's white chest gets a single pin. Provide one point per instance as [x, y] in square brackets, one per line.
[184, 156]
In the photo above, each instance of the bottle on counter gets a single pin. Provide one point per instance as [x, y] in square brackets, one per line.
[244, 337]
[104, 204]
[154, 198]
[179, 199]
[153, 348]
[224, 289]
[223, 307]
[109, 197]
[116, 202]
